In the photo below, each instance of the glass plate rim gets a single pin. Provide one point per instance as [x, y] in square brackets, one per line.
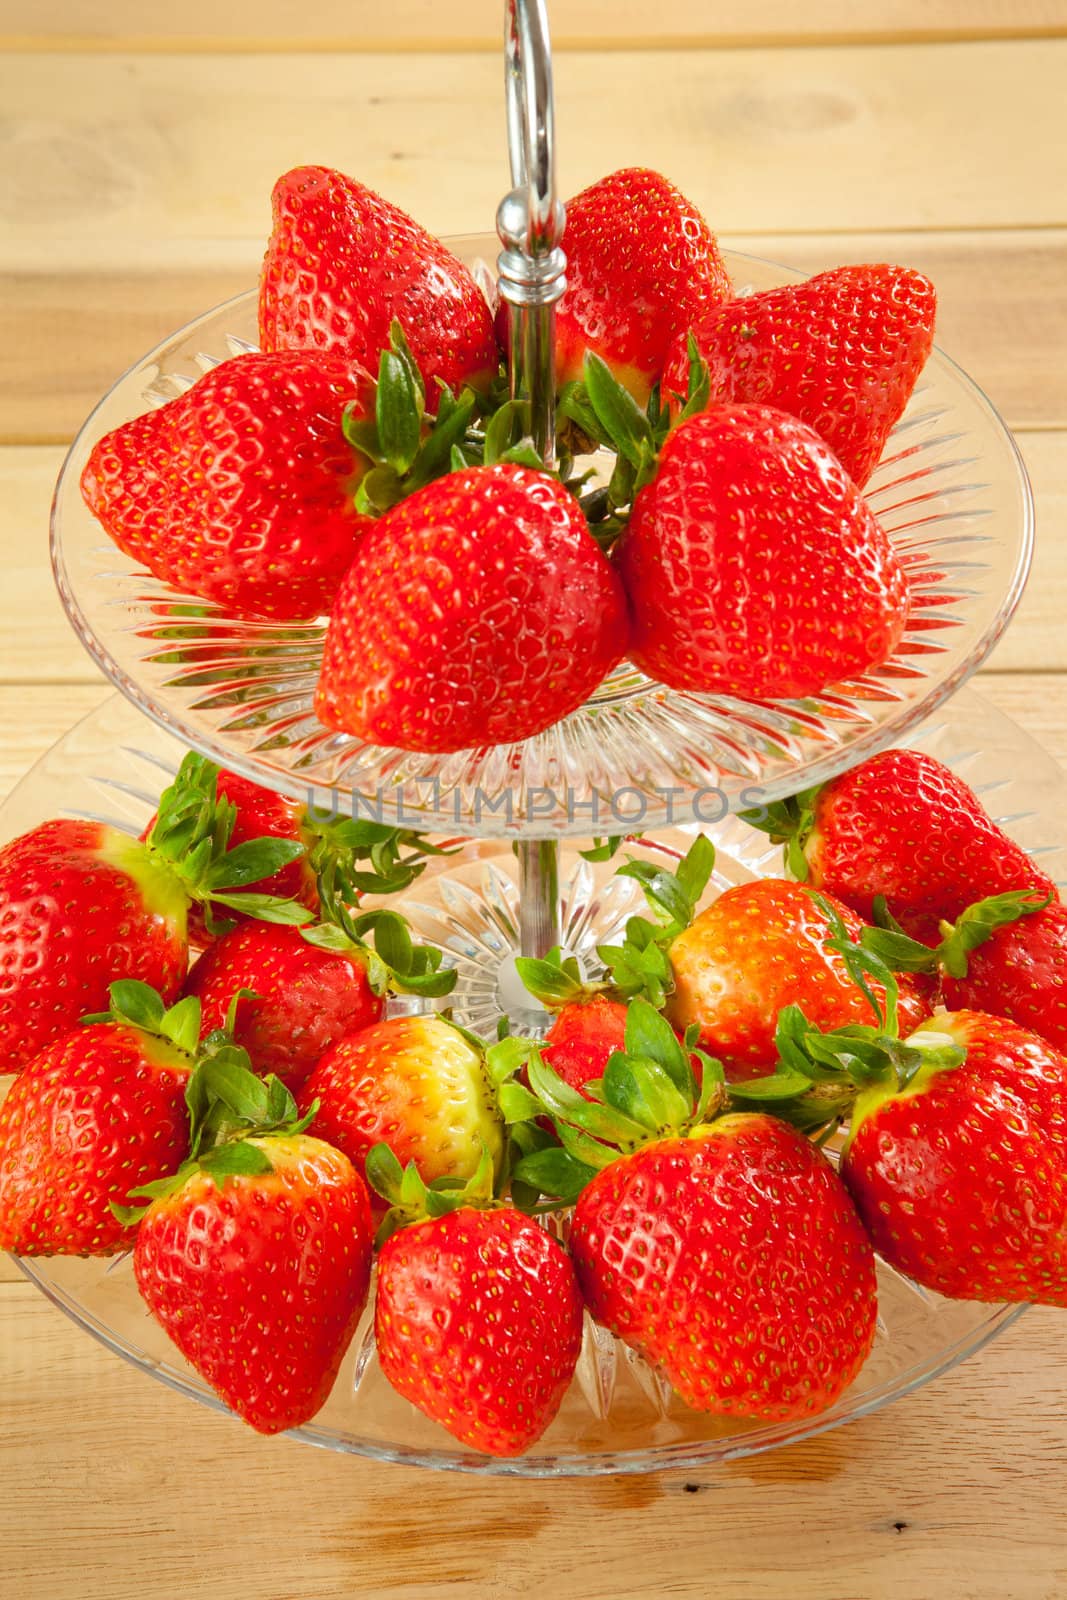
[215, 745]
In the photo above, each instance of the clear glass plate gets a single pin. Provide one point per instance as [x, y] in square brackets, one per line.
[618, 1416]
[951, 491]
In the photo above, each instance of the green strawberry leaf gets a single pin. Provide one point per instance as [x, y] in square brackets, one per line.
[384, 1173]
[135, 1003]
[181, 1024]
[650, 1035]
[237, 1159]
[251, 862]
[552, 980]
[698, 387]
[980, 921]
[777, 1086]
[639, 1088]
[554, 1173]
[616, 410]
[397, 412]
[264, 907]
[604, 849]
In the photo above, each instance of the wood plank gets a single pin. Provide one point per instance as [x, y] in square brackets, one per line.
[887, 1507]
[38, 641]
[277, 25]
[68, 332]
[128, 149]
[33, 717]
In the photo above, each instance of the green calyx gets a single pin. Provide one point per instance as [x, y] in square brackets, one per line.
[823, 1078]
[597, 411]
[227, 1105]
[392, 960]
[641, 965]
[412, 1200]
[190, 838]
[791, 823]
[969, 932]
[405, 448]
[555, 979]
[648, 1092]
[136, 1005]
[355, 856]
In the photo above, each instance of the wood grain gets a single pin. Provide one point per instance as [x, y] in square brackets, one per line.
[113, 1475]
[281, 25]
[1002, 309]
[172, 147]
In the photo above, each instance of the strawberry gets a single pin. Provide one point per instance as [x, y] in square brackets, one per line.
[1006, 955]
[342, 264]
[240, 490]
[82, 904]
[351, 855]
[959, 1173]
[255, 1257]
[300, 990]
[765, 945]
[1021, 974]
[101, 1110]
[300, 999]
[584, 1036]
[842, 352]
[693, 1246]
[478, 1317]
[415, 1083]
[752, 564]
[588, 1020]
[641, 263]
[902, 826]
[478, 611]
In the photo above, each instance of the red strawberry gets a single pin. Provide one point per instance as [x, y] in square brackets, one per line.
[478, 1322]
[342, 264]
[904, 826]
[752, 564]
[1020, 973]
[99, 1112]
[306, 998]
[583, 1037]
[641, 263]
[82, 904]
[240, 490]
[417, 1084]
[694, 1247]
[257, 1266]
[696, 1252]
[841, 352]
[478, 611]
[960, 1175]
[763, 946]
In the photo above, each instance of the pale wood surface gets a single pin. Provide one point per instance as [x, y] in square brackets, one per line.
[409, 25]
[137, 147]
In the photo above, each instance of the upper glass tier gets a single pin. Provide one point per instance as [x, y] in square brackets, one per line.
[951, 491]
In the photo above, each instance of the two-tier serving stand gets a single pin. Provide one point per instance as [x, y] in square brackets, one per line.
[637, 759]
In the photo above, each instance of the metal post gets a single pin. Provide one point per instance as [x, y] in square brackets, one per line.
[531, 279]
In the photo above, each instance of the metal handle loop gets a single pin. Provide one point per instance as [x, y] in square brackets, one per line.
[531, 267]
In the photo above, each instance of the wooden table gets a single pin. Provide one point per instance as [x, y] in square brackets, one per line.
[135, 168]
